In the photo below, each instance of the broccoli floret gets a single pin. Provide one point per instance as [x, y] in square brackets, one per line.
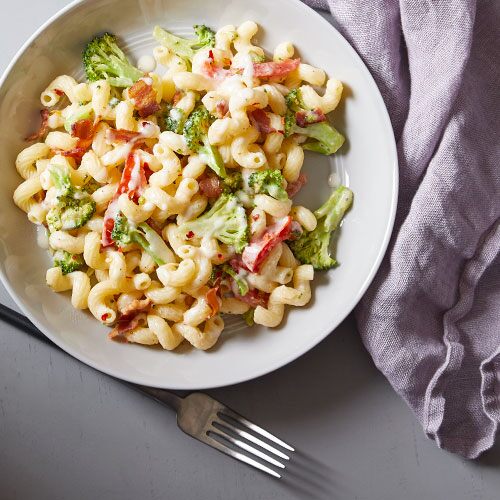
[293, 104]
[248, 317]
[223, 272]
[325, 138]
[104, 60]
[68, 262]
[73, 206]
[90, 185]
[241, 283]
[257, 58]
[206, 36]
[233, 182]
[268, 182]
[196, 135]
[294, 100]
[172, 119]
[175, 120]
[313, 247]
[186, 48]
[226, 221]
[145, 236]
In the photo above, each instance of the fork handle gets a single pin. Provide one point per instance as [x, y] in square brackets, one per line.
[162, 396]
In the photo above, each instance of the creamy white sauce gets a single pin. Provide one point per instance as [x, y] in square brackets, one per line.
[42, 237]
[244, 198]
[135, 176]
[149, 130]
[112, 211]
[146, 63]
[175, 114]
[80, 195]
[245, 174]
[248, 71]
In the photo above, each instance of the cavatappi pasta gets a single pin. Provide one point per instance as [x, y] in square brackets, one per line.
[167, 196]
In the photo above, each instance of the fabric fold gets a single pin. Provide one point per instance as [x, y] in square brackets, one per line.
[431, 318]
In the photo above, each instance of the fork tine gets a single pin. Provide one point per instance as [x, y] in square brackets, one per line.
[250, 449]
[242, 420]
[250, 437]
[237, 455]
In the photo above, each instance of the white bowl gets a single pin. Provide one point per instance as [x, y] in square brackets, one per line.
[367, 163]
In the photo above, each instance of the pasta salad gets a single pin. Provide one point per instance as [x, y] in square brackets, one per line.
[166, 190]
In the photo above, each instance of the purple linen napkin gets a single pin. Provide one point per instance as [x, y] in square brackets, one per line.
[431, 318]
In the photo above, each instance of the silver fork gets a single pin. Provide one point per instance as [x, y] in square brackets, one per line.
[201, 417]
[204, 418]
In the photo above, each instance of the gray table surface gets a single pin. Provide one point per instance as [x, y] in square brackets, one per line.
[69, 432]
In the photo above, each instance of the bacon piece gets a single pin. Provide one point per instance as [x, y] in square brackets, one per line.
[144, 97]
[108, 225]
[213, 300]
[121, 135]
[259, 248]
[215, 72]
[135, 307]
[273, 69]
[147, 171]
[44, 127]
[133, 178]
[261, 121]
[130, 318]
[253, 297]
[120, 331]
[85, 131]
[308, 117]
[210, 186]
[132, 183]
[76, 153]
[294, 187]
[154, 226]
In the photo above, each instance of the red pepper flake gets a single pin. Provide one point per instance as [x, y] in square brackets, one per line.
[105, 316]
[211, 55]
[255, 217]
[220, 256]
[59, 92]
[190, 234]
